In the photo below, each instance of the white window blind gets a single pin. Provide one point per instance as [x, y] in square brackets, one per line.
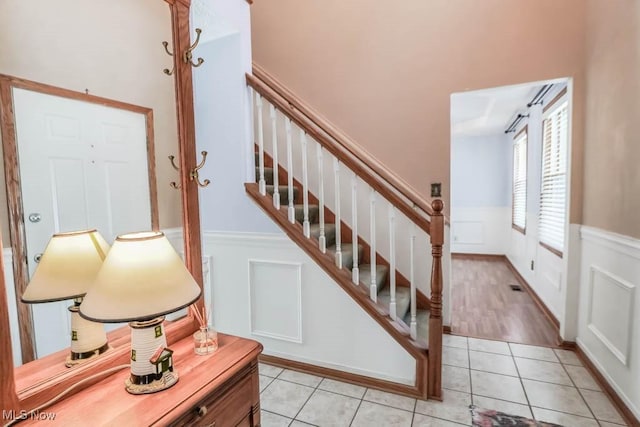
[554, 176]
[519, 203]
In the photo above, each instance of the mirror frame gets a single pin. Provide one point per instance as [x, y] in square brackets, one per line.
[35, 393]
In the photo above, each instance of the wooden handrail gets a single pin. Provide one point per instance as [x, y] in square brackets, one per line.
[339, 151]
[345, 141]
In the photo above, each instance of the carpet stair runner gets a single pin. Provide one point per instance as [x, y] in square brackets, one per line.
[403, 298]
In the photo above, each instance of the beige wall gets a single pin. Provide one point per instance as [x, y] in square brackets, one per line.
[612, 126]
[384, 71]
[111, 47]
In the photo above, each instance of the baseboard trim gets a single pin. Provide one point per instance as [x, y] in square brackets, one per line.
[608, 390]
[536, 299]
[477, 257]
[347, 377]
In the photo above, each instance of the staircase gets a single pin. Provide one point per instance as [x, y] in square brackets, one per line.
[366, 263]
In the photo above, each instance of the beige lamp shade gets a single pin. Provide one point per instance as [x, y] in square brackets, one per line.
[68, 267]
[142, 278]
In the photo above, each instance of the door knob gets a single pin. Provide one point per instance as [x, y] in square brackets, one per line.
[37, 258]
[35, 217]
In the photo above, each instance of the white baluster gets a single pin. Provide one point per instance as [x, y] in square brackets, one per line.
[306, 227]
[392, 261]
[336, 171]
[322, 240]
[262, 185]
[355, 271]
[373, 286]
[274, 140]
[292, 209]
[413, 324]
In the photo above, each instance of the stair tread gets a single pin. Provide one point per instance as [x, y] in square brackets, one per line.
[347, 253]
[314, 212]
[283, 190]
[268, 175]
[381, 275]
[329, 232]
[422, 320]
[345, 248]
[403, 300]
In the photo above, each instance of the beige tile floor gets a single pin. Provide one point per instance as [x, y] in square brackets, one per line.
[535, 382]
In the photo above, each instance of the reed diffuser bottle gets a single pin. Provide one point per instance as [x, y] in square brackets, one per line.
[205, 340]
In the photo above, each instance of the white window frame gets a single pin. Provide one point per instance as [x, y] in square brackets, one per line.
[554, 178]
[519, 182]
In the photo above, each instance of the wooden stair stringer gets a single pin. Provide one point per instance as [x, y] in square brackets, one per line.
[343, 278]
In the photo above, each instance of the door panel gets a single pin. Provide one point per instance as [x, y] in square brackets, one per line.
[82, 165]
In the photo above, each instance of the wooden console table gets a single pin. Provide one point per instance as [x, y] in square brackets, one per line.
[218, 390]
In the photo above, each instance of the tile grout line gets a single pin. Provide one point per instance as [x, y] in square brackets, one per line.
[470, 382]
[579, 392]
[308, 398]
[358, 408]
[524, 390]
[413, 415]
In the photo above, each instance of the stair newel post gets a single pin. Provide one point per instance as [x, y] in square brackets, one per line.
[392, 261]
[355, 271]
[336, 173]
[262, 184]
[434, 388]
[306, 227]
[322, 240]
[274, 155]
[373, 286]
[292, 209]
[413, 324]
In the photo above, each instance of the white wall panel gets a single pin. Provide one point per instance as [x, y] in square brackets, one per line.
[608, 311]
[275, 290]
[480, 230]
[335, 332]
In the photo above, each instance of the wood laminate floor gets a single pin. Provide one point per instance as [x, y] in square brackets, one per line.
[484, 306]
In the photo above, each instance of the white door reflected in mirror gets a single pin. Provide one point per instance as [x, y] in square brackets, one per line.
[82, 165]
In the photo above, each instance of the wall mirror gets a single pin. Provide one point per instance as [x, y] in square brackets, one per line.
[90, 51]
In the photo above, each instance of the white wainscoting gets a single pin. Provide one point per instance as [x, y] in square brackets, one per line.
[547, 278]
[275, 290]
[7, 259]
[334, 331]
[480, 230]
[609, 321]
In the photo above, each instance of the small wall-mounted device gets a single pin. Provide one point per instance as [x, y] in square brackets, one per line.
[436, 189]
[532, 264]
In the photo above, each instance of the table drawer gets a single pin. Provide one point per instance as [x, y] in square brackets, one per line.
[232, 409]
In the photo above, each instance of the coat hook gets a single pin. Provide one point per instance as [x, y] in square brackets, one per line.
[173, 163]
[188, 54]
[166, 48]
[194, 175]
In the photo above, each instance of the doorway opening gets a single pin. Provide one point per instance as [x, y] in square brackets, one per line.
[510, 169]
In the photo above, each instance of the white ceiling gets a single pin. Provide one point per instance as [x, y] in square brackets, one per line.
[489, 111]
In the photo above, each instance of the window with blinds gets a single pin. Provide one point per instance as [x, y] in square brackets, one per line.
[519, 199]
[554, 177]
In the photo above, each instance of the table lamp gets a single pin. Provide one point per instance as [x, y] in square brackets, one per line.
[141, 280]
[66, 269]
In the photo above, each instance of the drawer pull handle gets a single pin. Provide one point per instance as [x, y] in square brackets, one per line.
[202, 411]
[213, 424]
